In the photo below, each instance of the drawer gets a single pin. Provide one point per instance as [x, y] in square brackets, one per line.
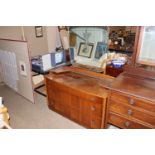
[90, 108]
[122, 98]
[96, 109]
[95, 122]
[132, 112]
[122, 122]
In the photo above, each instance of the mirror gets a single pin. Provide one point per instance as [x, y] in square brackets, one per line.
[98, 45]
[122, 39]
[90, 44]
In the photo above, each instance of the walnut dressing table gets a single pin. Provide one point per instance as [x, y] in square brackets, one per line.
[95, 100]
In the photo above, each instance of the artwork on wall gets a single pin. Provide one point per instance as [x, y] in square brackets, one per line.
[101, 49]
[39, 31]
[85, 50]
[62, 28]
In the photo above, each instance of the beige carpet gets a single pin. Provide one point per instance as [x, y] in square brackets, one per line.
[25, 115]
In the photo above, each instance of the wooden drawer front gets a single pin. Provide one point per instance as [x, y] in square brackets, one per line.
[119, 97]
[132, 112]
[91, 121]
[95, 122]
[90, 108]
[122, 122]
[90, 114]
[96, 109]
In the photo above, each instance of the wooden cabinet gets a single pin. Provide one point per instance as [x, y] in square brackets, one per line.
[73, 95]
[131, 102]
[130, 112]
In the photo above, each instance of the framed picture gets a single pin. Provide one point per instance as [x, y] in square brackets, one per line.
[39, 31]
[85, 50]
[62, 28]
[101, 49]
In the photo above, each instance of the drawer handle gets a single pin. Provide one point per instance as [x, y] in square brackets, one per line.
[130, 112]
[132, 101]
[127, 124]
[93, 108]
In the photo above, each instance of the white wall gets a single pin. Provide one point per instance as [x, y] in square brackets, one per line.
[24, 83]
[36, 45]
[53, 38]
[11, 32]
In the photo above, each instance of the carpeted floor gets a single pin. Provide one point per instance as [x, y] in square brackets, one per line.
[25, 115]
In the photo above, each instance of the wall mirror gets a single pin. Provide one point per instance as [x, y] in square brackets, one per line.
[89, 44]
[93, 44]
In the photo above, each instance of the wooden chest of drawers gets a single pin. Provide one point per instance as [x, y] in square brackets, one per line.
[84, 109]
[126, 111]
[77, 97]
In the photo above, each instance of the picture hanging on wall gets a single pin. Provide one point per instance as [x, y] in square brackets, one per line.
[85, 49]
[62, 28]
[39, 31]
[101, 49]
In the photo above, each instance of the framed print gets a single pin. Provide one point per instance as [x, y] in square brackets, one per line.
[85, 50]
[39, 31]
[101, 49]
[62, 28]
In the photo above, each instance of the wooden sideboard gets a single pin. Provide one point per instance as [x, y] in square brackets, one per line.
[96, 100]
[131, 102]
[78, 96]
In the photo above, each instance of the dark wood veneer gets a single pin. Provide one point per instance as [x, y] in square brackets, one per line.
[78, 97]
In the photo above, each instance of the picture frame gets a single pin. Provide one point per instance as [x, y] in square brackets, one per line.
[62, 28]
[39, 31]
[85, 50]
[101, 49]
